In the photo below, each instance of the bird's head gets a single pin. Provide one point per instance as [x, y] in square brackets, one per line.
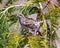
[21, 16]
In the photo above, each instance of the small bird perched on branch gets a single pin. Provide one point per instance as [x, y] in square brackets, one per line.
[29, 23]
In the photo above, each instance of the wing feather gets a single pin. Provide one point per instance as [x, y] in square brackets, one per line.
[29, 23]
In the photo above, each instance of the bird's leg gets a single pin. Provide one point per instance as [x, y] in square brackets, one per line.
[30, 31]
[35, 33]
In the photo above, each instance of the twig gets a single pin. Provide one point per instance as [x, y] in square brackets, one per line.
[11, 7]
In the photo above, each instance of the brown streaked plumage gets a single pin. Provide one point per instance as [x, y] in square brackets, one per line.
[29, 23]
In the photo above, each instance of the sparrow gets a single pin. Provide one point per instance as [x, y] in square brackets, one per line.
[29, 23]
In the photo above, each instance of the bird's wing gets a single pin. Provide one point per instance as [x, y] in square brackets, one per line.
[29, 23]
[31, 19]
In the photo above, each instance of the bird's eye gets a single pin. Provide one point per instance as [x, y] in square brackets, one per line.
[20, 15]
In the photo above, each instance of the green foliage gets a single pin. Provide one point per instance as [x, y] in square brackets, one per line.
[14, 40]
[37, 1]
[58, 1]
[10, 40]
[3, 23]
[10, 2]
[31, 9]
[0, 1]
[54, 16]
[37, 42]
[12, 19]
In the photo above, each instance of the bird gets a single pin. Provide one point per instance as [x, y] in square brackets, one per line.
[29, 23]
